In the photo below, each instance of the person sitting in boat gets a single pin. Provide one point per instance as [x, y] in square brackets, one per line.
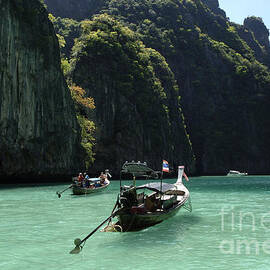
[105, 182]
[80, 179]
[107, 173]
[102, 178]
[86, 180]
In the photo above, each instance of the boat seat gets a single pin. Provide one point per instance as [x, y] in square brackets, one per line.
[149, 204]
[152, 203]
[168, 200]
[140, 198]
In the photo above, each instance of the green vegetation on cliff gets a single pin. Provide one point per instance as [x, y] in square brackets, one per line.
[223, 86]
[216, 66]
[67, 30]
[135, 93]
[84, 110]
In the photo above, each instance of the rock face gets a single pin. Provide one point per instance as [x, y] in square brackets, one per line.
[223, 84]
[259, 29]
[214, 6]
[255, 33]
[38, 128]
[137, 105]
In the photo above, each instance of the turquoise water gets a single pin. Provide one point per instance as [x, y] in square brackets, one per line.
[229, 228]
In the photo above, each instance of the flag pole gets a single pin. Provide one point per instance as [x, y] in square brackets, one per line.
[161, 178]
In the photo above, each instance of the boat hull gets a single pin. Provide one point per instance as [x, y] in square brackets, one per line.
[135, 222]
[83, 191]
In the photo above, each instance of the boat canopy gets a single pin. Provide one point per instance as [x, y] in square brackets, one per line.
[138, 169]
[158, 187]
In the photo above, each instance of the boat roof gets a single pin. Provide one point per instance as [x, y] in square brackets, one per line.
[157, 186]
[136, 168]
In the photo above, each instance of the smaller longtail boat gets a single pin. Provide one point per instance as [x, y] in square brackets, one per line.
[88, 185]
[91, 185]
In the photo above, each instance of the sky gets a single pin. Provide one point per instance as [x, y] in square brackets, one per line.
[238, 10]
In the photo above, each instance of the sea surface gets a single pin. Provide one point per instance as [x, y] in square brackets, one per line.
[229, 228]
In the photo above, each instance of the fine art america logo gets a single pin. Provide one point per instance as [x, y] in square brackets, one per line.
[244, 223]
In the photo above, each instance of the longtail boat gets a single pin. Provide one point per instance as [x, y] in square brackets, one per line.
[90, 185]
[139, 207]
[80, 190]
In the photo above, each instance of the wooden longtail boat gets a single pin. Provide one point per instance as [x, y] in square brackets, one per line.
[80, 190]
[139, 207]
[90, 185]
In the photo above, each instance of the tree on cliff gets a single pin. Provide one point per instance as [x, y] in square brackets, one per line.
[84, 110]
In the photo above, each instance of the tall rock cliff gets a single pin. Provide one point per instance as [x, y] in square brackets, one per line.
[214, 6]
[137, 100]
[261, 33]
[221, 77]
[38, 127]
[225, 90]
[256, 34]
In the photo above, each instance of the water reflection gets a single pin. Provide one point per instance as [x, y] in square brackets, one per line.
[169, 232]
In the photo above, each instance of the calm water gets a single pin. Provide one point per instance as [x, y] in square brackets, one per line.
[229, 228]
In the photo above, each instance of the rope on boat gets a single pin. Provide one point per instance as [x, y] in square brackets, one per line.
[118, 226]
[113, 227]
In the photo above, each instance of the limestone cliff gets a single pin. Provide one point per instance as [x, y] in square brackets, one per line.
[220, 74]
[256, 34]
[214, 6]
[259, 29]
[38, 128]
[136, 96]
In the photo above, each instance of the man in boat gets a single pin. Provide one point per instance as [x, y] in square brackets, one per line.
[86, 180]
[103, 178]
[107, 173]
[80, 179]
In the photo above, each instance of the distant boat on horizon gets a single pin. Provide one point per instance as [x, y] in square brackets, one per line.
[236, 173]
